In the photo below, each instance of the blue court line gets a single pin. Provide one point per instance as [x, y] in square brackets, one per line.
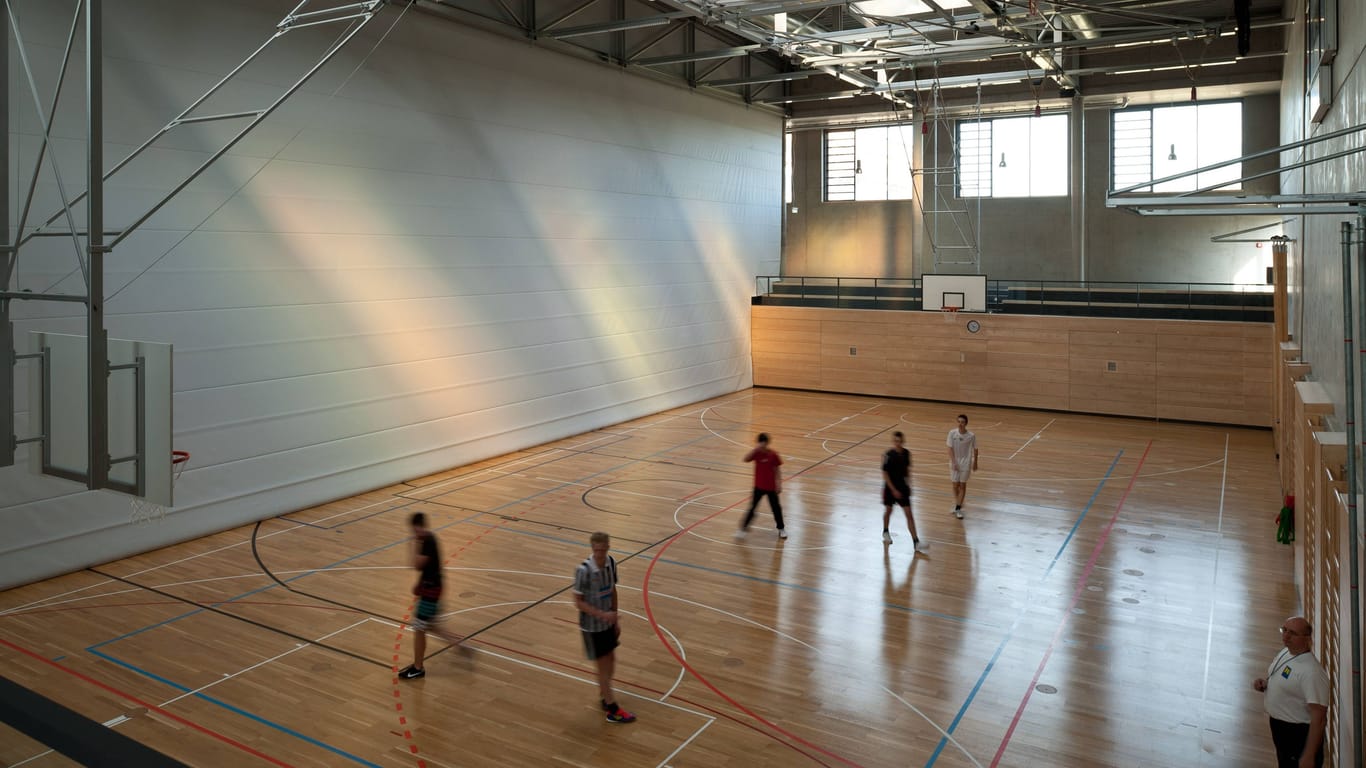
[944, 740]
[238, 710]
[762, 580]
[94, 649]
[399, 542]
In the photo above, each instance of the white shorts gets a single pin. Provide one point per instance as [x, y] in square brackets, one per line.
[960, 472]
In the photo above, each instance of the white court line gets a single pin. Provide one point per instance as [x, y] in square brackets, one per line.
[297, 527]
[145, 570]
[121, 719]
[942, 732]
[594, 683]
[1214, 579]
[259, 664]
[733, 543]
[1032, 439]
[840, 421]
[1102, 477]
[663, 763]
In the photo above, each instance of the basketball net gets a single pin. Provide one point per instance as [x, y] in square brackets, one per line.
[146, 512]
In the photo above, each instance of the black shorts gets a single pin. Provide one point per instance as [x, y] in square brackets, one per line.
[600, 644]
[888, 500]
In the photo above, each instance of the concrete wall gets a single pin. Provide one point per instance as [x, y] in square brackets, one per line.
[1030, 238]
[451, 248]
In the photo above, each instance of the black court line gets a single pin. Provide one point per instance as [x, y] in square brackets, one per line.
[563, 527]
[243, 619]
[73, 734]
[406, 501]
[255, 553]
[551, 596]
[644, 549]
[607, 486]
[571, 454]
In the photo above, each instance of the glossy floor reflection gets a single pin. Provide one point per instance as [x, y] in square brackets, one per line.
[1112, 589]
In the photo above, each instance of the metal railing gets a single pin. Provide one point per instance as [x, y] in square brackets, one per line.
[1031, 296]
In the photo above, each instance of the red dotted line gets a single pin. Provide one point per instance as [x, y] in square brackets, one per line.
[398, 640]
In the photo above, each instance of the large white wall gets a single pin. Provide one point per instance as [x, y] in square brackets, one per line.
[466, 246]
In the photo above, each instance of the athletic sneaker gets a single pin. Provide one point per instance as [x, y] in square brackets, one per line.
[618, 715]
[411, 673]
[740, 534]
[886, 537]
[782, 533]
[922, 547]
[958, 512]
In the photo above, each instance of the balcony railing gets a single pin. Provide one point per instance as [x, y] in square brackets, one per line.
[1188, 301]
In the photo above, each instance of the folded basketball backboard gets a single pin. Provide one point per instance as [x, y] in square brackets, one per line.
[139, 413]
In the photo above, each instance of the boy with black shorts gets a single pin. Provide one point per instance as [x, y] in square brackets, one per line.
[896, 489]
[595, 595]
[427, 561]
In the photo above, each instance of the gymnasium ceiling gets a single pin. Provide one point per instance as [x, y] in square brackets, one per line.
[836, 57]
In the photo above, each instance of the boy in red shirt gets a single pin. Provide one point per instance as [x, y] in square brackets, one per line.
[768, 482]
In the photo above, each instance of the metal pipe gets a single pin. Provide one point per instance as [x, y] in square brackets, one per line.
[338, 9]
[247, 129]
[97, 347]
[47, 131]
[1353, 524]
[227, 116]
[52, 115]
[22, 295]
[142, 147]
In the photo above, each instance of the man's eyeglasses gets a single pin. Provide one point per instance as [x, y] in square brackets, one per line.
[1287, 630]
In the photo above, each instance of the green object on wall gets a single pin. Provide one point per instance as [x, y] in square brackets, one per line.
[1285, 526]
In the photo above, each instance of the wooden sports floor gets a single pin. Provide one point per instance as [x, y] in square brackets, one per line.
[1113, 588]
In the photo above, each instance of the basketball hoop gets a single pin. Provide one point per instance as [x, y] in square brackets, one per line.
[949, 308]
[144, 511]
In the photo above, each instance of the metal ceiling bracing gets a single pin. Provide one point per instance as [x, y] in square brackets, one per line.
[837, 56]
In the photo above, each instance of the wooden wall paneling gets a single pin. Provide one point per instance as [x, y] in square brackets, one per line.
[786, 351]
[1284, 429]
[1329, 526]
[1312, 403]
[1191, 370]
[1127, 389]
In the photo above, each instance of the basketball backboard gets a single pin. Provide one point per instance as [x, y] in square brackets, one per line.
[139, 413]
[966, 292]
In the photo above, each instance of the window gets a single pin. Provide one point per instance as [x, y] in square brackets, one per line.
[1013, 157]
[1153, 143]
[787, 168]
[869, 163]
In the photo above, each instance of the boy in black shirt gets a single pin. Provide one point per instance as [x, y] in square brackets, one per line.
[896, 488]
[427, 560]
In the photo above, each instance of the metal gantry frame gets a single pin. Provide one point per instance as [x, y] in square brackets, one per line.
[91, 253]
[952, 223]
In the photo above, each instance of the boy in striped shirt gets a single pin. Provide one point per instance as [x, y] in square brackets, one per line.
[595, 595]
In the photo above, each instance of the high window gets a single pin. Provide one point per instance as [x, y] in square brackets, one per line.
[869, 163]
[1155, 142]
[1013, 157]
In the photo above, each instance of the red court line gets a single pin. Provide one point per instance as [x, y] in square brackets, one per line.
[150, 707]
[1076, 595]
[648, 689]
[649, 612]
[398, 644]
[696, 493]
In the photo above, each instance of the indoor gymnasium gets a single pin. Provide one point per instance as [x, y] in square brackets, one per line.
[682, 383]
